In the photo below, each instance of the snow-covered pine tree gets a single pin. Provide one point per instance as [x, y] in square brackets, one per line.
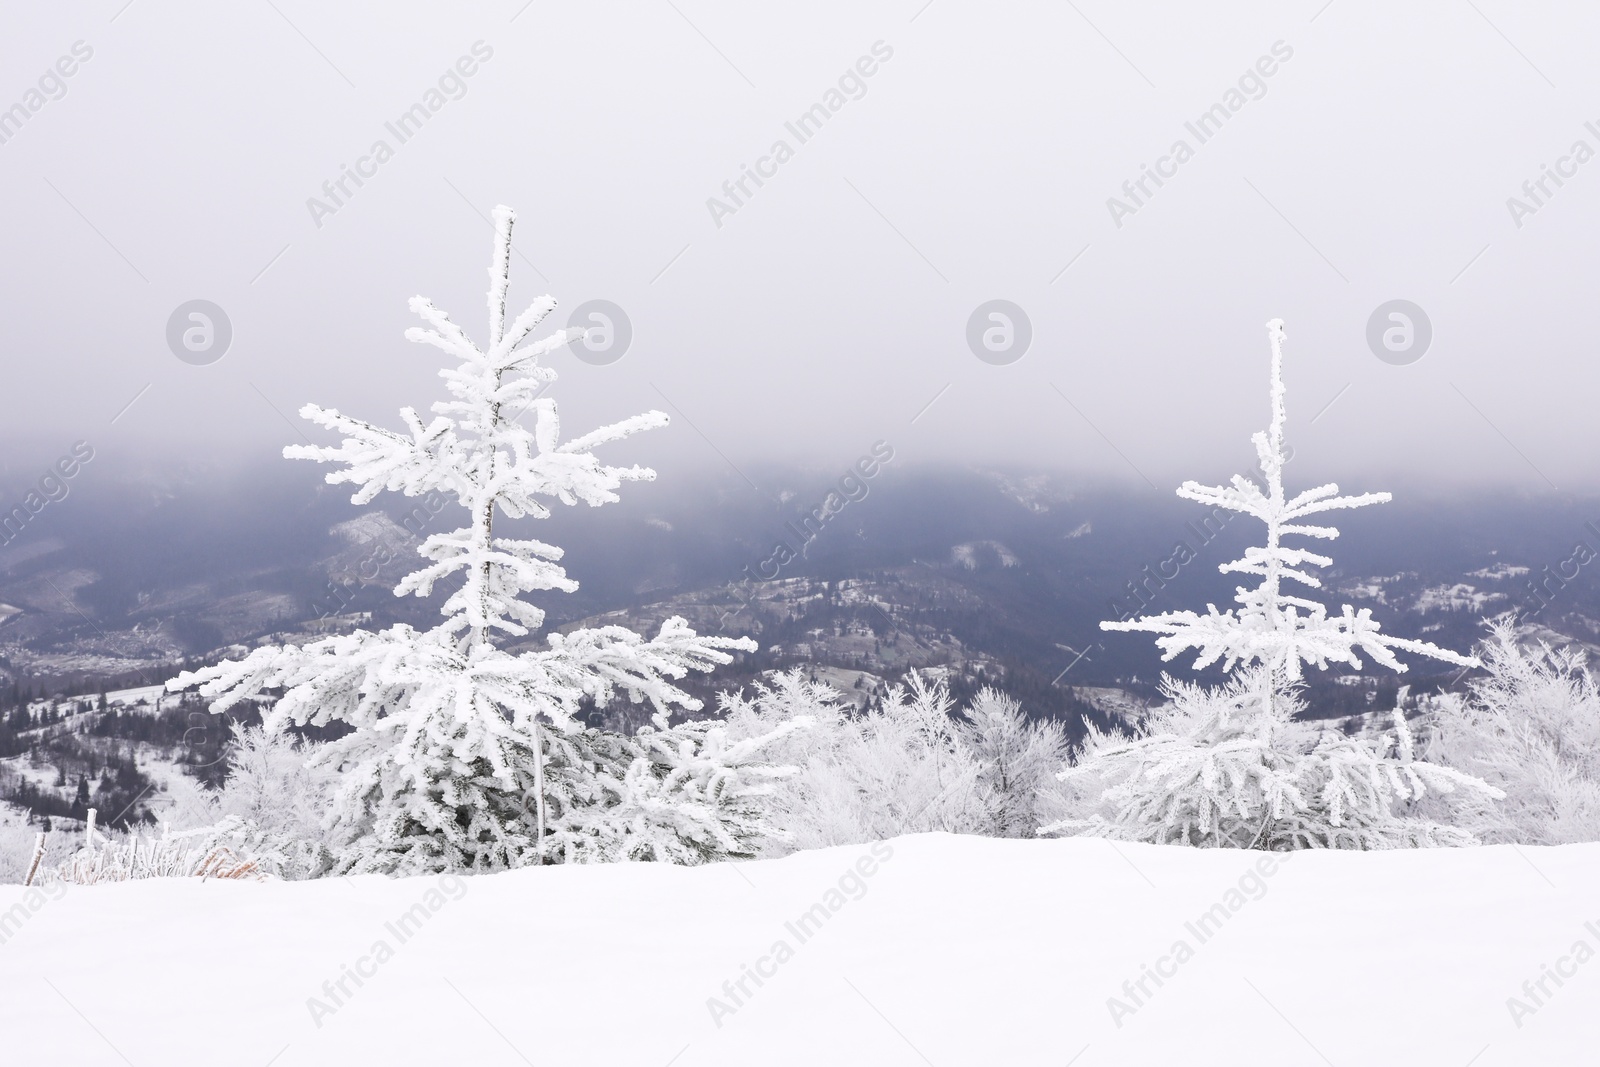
[1230, 767]
[464, 754]
[1271, 626]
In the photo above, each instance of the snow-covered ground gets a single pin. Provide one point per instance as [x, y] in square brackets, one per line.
[149, 696]
[1457, 597]
[926, 950]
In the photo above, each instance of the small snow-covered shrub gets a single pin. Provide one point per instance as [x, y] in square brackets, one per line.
[270, 807]
[862, 777]
[1018, 760]
[1531, 727]
[908, 766]
[1210, 768]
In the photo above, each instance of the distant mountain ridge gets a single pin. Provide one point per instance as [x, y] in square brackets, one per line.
[994, 569]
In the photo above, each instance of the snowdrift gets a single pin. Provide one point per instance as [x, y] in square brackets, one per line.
[931, 949]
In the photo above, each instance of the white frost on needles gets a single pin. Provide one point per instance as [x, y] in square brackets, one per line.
[453, 734]
[1272, 627]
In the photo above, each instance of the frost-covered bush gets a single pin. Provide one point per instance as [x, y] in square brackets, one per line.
[1530, 726]
[1228, 767]
[861, 777]
[909, 765]
[270, 808]
[1212, 769]
[1017, 758]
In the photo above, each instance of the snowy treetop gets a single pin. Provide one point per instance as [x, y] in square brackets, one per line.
[476, 448]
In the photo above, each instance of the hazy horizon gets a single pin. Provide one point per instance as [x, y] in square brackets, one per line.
[827, 307]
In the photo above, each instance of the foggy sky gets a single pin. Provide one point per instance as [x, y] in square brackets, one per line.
[829, 308]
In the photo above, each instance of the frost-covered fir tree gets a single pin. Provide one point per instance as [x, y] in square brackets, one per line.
[1230, 767]
[464, 753]
[1272, 626]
